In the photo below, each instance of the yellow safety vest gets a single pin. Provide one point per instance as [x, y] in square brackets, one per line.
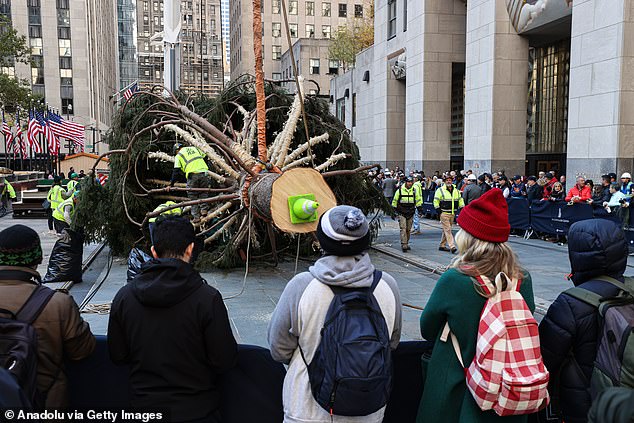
[190, 160]
[8, 188]
[58, 213]
[448, 202]
[55, 196]
[176, 212]
[71, 186]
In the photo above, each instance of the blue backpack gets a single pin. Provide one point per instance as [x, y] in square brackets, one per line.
[351, 371]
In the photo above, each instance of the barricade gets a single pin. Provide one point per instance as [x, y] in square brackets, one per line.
[251, 391]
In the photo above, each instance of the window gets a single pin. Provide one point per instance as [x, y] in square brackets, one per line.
[65, 103]
[391, 19]
[63, 17]
[146, 20]
[310, 8]
[333, 67]
[146, 46]
[277, 76]
[341, 109]
[358, 10]
[325, 31]
[293, 30]
[354, 109]
[145, 6]
[63, 33]
[310, 31]
[277, 29]
[343, 10]
[275, 4]
[156, 20]
[325, 9]
[37, 75]
[404, 16]
[157, 74]
[156, 6]
[66, 73]
[61, 4]
[64, 48]
[292, 7]
[277, 53]
[314, 67]
[36, 46]
[35, 31]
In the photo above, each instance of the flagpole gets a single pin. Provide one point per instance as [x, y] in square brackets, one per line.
[6, 155]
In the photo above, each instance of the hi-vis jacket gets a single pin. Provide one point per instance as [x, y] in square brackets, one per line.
[448, 202]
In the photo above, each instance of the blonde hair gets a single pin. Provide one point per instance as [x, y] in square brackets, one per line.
[558, 185]
[478, 257]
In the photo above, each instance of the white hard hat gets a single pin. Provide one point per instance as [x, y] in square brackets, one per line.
[626, 175]
[472, 177]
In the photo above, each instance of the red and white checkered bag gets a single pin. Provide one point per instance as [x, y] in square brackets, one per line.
[507, 374]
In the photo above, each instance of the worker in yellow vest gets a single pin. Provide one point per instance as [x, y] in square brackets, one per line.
[167, 213]
[8, 193]
[64, 213]
[71, 186]
[55, 197]
[191, 161]
[447, 201]
[406, 200]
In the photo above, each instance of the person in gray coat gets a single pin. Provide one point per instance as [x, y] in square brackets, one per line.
[389, 187]
[471, 191]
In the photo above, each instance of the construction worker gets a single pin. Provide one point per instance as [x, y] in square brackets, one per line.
[447, 202]
[8, 193]
[55, 197]
[71, 186]
[406, 200]
[191, 161]
[168, 213]
[64, 213]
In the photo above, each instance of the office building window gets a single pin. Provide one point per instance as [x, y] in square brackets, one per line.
[333, 67]
[277, 76]
[343, 10]
[63, 17]
[277, 29]
[391, 18]
[358, 10]
[66, 102]
[310, 8]
[275, 5]
[314, 67]
[277, 53]
[145, 6]
[61, 4]
[36, 46]
[404, 16]
[156, 6]
[341, 109]
[325, 31]
[310, 31]
[293, 30]
[64, 48]
[325, 9]
[354, 109]
[292, 7]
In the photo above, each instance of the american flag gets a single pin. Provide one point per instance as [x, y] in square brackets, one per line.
[130, 91]
[32, 131]
[67, 129]
[102, 178]
[8, 135]
[49, 135]
[19, 141]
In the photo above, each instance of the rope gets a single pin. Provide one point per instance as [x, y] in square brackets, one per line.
[246, 270]
[297, 256]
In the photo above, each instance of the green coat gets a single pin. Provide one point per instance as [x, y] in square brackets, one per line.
[446, 398]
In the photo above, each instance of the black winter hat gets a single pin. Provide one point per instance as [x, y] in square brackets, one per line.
[343, 231]
[20, 246]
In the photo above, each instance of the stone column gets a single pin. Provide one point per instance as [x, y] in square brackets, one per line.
[436, 39]
[496, 86]
[601, 102]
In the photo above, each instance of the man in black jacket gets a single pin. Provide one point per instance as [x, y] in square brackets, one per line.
[173, 330]
[570, 330]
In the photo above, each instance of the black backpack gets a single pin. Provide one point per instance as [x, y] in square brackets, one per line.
[351, 371]
[18, 343]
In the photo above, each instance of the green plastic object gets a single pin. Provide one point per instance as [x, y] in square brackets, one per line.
[303, 208]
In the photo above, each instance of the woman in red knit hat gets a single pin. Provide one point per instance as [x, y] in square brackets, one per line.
[458, 299]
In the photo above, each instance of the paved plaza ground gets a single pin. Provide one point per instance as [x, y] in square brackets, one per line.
[250, 311]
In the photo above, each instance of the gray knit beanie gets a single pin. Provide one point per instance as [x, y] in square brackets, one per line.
[344, 231]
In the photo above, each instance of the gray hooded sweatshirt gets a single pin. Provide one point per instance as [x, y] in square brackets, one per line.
[299, 317]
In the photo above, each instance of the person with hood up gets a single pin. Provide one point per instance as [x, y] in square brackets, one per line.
[344, 235]
[570, 331]
[172, 328]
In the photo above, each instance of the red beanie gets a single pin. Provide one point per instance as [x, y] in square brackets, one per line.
[487, 218]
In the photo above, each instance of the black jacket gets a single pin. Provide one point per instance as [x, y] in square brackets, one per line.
[570, 329]
[173, 330]
[534, 192]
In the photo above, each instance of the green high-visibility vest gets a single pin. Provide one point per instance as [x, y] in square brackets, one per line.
[71, 186]
[55, 196]
[8, 188]
[58, 213]
[173, 212]
[190, 160]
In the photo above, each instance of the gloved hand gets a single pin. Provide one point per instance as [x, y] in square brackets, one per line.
[420, 210]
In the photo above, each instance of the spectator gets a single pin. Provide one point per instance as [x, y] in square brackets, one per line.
[173, 330]
[626, 185]
[472, 191]
[534, 191]
[550, 184]
[614, 405]
[343, 233]
[570, 330]
[419, 211]
[612, 176]
[82, 174]
[605, 186]
[617, 204]
[61, 332]
[557, 193]
[580, 193]
[562, 181]
[482, 184]
[496, 180]
[518, 189]
[597, 196]
[503, 184]
[541, 175]
[457, 301]
[488, 178]
[389, 187]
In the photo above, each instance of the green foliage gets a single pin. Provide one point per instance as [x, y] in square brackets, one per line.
[14, 92]
[349, 41]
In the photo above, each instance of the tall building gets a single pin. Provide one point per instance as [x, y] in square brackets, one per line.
[128, 63]
[226, 37]
[495, 85]
[307, 19]
[74, 55]
[201, 45]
